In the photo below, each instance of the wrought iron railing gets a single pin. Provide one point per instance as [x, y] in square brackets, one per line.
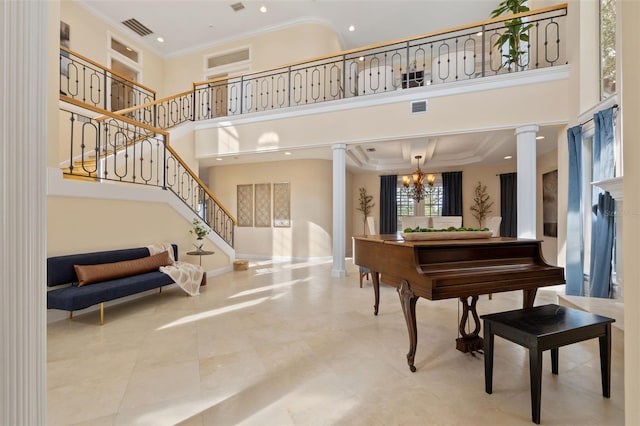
[463, 53]
[85, 80]
[116, 148]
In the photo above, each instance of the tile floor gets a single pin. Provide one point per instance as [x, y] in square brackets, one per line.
[286, 344]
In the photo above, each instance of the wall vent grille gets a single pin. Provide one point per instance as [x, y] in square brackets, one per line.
[237, 6]
[135, 26]
[418, 107]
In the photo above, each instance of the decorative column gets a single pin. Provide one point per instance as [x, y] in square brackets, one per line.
[23, 149]
[339, 209]
[526, 152]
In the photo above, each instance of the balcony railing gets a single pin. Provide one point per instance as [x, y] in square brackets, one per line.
[85, 80]
[463, 53]
[116, 148]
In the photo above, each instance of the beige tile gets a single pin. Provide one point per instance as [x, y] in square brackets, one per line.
[285, 343]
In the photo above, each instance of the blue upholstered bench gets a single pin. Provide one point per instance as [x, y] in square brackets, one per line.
[61, 272]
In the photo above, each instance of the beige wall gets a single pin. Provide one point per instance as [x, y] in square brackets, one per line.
[310, 234]
[629, 13]
[89, 36]
[474, 112]
[79, 225]
[302, 42]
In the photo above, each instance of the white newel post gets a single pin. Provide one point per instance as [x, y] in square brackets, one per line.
[339, 209]
[23, 138]
[526, 152]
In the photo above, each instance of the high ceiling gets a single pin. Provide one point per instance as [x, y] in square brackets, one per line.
[192, 25]
[187, 25]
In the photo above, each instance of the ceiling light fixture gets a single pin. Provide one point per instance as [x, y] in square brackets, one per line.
[539, 137]
[508, 157]
[287, 153]
[418, 191]
[352, 28]
[263, 9]
[160, 39]
[361, 58]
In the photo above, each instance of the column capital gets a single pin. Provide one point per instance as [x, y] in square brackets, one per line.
[336, 146]
[529, 128]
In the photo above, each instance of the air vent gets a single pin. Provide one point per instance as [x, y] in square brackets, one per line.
[135, 26]
[418, 107]
[237, 6]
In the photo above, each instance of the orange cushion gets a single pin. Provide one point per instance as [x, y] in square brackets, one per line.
[89, 274]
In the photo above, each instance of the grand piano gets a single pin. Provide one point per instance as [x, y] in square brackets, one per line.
[464, 269]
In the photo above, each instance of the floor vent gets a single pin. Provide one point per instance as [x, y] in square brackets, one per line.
[135, 26]
[418, 107]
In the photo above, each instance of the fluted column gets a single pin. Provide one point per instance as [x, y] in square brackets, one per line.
[339, 208]
[526, 152]
[23, 138]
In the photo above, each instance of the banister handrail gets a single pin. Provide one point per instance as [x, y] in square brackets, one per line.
[109, 70]
[201, 183]
[393, 42]
[152, 103]
[108, 114]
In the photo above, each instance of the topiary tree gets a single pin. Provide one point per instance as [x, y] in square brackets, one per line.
[365, 206]
[481, 203]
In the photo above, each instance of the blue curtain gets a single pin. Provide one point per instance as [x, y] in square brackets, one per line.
[509, 204]
[388, 204]
[575, 244]
[602, 229]
[452, 194]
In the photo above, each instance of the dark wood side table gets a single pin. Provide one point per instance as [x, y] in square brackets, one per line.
[201, 253]
[546, 327]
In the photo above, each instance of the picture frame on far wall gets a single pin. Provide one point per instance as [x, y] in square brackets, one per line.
[550, 204]
[65, 38]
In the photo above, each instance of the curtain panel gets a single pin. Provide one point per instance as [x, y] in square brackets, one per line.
[452, 194]
[602, 228]
[575, 243]
[509, 204]
[388, 204]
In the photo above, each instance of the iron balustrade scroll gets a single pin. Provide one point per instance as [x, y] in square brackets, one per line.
[463, 53]
[112, 148]
[89, 82]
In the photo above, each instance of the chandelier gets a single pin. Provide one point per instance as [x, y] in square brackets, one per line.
[419, 190]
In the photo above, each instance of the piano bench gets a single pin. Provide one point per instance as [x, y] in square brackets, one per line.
[541, 328]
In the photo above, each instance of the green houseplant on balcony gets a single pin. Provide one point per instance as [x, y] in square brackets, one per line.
[515, 34]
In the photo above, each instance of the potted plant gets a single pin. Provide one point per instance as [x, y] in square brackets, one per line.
[200, 230]
[481, 203]
[365, 206]
[516, 32]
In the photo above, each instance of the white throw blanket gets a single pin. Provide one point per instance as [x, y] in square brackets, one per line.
[187, 275]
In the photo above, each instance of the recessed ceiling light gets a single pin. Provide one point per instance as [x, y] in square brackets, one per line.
[160, 39]
[219, 159]
[287, 153]
[539, 137]
[263, 9]
[479, 33]
[361, 58]
[508, 157]
[352, 28]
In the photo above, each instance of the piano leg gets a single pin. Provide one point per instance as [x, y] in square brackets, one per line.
[408, 301]
[469, 342]
[528, 297]
[375, 277]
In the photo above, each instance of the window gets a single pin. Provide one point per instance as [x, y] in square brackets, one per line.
[431, 205]
[607, 48]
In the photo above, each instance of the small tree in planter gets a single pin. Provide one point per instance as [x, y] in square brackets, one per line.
[481, 203]
[365, 207]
